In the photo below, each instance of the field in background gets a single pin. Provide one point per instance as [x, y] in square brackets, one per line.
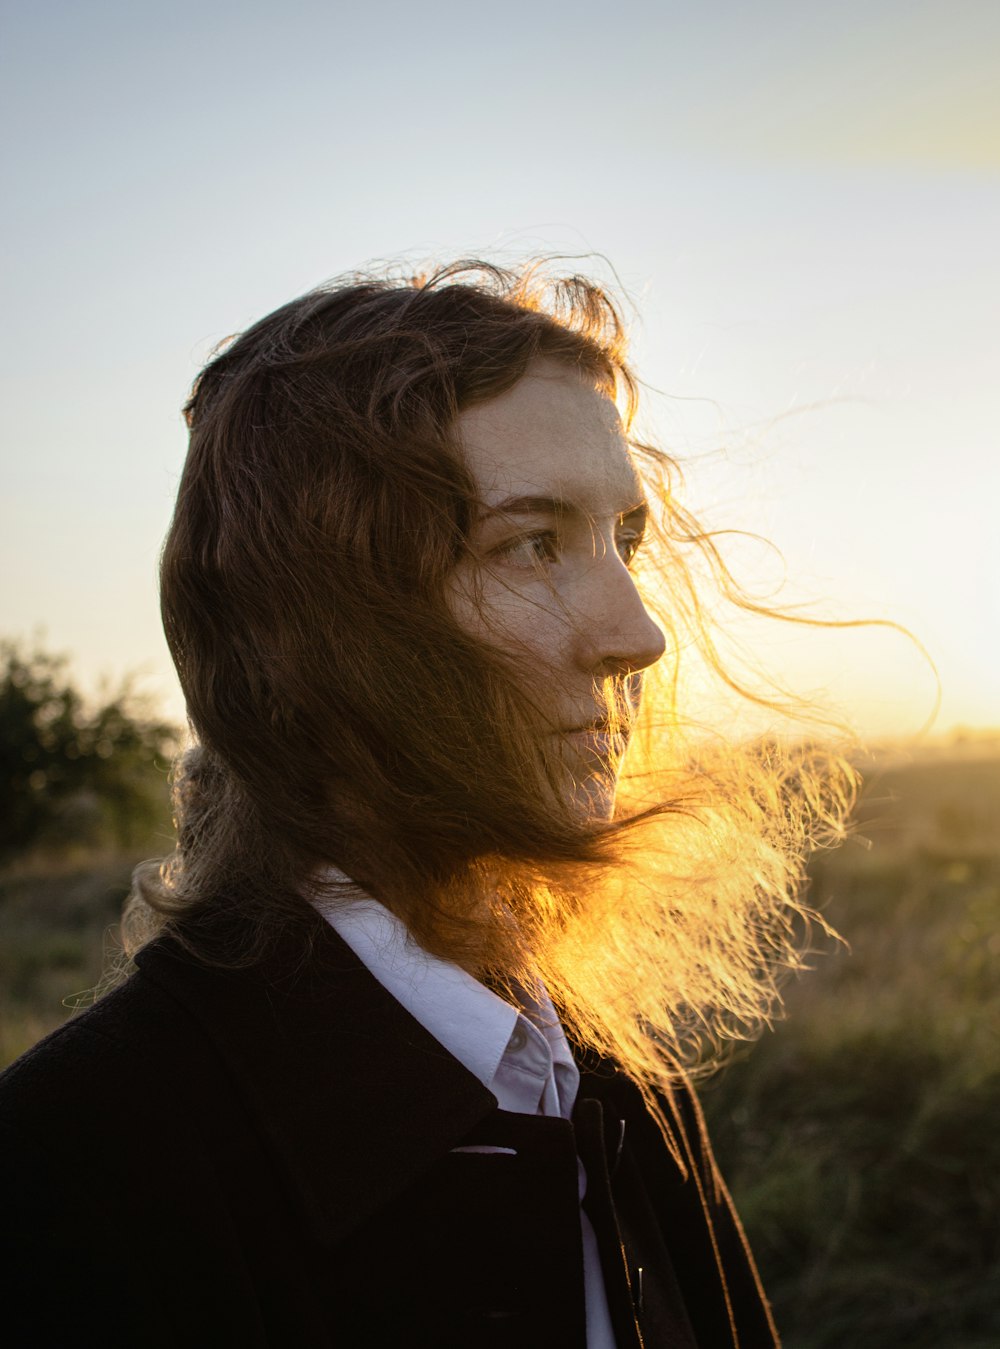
[58, 930]
[861, 1138]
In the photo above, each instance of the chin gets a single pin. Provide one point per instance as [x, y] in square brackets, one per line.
[594, 799]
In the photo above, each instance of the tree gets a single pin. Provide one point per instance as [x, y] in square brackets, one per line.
[71, 772]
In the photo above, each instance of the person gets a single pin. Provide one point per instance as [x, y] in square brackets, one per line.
[460, 892]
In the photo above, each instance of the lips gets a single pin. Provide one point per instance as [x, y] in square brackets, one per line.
[596, 741]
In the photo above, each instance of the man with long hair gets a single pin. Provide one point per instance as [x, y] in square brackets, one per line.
[459, 896]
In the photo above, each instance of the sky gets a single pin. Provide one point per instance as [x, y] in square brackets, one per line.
[801, 204]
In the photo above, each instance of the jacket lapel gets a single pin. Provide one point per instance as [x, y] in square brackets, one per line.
[332, 1070]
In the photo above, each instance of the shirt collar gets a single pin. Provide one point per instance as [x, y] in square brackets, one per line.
[472, 1022]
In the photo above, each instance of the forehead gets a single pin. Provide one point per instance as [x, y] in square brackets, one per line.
[553, 434]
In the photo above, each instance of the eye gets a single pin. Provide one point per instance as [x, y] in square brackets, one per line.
[628, 541]
[530, 550]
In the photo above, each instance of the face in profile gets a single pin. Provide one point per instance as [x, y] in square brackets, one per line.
[547, 579]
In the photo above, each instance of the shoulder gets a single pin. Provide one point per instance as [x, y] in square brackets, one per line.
[313, 1059]
[96, 1059]
[127, 1092]
[201, 1134]
[110, 1172]
[98, 1107]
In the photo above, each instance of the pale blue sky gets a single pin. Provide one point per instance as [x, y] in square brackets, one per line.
[803, 204]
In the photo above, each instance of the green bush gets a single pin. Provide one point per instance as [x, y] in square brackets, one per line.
[73, 775]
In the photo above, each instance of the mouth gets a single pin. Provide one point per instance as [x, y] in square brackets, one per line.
[596, 740]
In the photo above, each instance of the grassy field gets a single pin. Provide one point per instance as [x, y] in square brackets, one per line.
[861, 1137]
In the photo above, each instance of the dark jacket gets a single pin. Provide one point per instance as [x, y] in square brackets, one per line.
[268, 1157]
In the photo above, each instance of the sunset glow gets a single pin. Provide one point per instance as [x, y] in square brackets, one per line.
[803, 206]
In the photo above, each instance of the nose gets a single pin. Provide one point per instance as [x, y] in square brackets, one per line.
[617, 635]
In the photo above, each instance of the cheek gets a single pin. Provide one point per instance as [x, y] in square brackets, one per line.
[512, 619]
[525, 628]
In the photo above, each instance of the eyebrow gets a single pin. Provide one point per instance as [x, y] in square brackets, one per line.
[545, 505]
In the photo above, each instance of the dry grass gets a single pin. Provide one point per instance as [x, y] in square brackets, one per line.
[861, 1138]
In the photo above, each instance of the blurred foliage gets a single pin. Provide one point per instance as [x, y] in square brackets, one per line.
[71, 774]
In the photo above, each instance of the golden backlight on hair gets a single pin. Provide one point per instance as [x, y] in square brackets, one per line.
[681, 943]
[346, 719]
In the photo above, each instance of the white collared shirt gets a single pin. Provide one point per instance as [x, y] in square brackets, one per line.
[521, 1057]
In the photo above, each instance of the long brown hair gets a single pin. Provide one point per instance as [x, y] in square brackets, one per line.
[345, 719]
